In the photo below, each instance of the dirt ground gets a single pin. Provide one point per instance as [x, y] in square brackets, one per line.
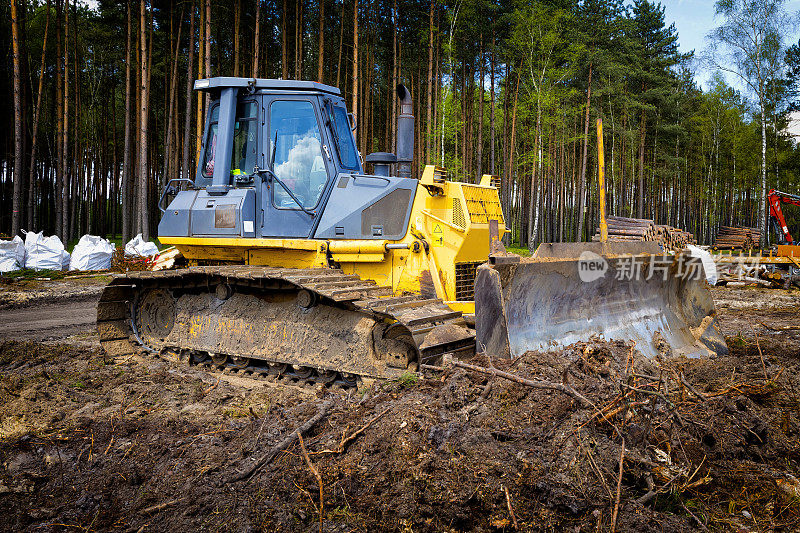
[87, 443]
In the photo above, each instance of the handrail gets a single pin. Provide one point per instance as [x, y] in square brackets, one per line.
[168, 188]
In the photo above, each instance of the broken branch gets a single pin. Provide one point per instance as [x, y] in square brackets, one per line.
[692, 389]
[779, 328]
[619, 487]
[282, 445]
[350, 438]
[160, 506]
[510, 508]
[561, 387]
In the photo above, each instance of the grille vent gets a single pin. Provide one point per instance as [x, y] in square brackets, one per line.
[482, 204]
[458, 214]
[465, 280]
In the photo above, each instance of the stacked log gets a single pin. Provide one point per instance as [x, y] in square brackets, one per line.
[674, 239]
[737, 238]
[644, 229]
[628, 229]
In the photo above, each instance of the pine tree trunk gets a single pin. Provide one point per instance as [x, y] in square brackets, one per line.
[143, 162]
[491, 111]
[762, 210]
[341, 42]
[187, 121]
[284, 56]
[208, 50]
[172, 94]
[63, 193]
[127, 207]
[321, 45]
[479, 151]
[201, 53]
[32, 219]
[582, 188]
[298, 40]
[19, 173]
[355, 109]
[513, 139]
[256, 43]
[429, 116]
[640, 205]
[391, 94]
[237, 17]
[77, 156]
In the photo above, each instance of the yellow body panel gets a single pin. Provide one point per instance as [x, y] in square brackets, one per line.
[788, 250]
[447, 237]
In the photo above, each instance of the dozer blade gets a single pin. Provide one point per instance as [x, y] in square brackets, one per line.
[572, 292]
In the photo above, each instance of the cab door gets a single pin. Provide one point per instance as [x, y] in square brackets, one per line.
[299, 157]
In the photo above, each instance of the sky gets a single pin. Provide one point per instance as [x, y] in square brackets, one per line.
[694, 20]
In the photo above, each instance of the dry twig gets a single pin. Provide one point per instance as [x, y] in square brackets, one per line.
[760, 354]
[510, 508]
[316, 475]
[619, 487]
[350, 438]
[699, 522]
[282, 445]
[692, 389]
[779, 328]
[160, 506]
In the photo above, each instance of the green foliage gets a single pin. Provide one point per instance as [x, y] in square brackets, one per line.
[677, 153]
[407, 380]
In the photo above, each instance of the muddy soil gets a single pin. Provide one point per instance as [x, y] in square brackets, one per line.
[143, 445]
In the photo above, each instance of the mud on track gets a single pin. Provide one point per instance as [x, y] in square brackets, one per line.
[140, 444]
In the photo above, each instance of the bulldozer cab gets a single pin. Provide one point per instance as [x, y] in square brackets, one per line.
[276, 139]
[279, 159]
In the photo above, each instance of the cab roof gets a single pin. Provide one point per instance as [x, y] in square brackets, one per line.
[223, 82]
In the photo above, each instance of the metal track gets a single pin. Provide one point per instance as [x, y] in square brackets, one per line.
[302, 324]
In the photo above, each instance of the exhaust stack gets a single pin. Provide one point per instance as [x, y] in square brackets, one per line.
[405, 133]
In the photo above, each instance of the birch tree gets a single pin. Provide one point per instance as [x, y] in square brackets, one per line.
[748, 44]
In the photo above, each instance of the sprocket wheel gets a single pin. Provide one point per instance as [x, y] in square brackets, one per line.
[155, 315]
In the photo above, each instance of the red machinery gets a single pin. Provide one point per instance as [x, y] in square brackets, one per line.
[776, 218]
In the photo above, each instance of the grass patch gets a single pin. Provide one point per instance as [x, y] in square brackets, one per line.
[515, 248]
[407, 380]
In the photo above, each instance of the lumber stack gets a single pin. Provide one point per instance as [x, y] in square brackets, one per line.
[645, 229]
[628, 229]
[737, 238]
[674, 239]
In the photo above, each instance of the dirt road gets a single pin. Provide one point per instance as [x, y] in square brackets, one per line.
[49, 322]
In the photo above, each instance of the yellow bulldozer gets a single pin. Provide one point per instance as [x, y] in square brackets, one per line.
[303, 266]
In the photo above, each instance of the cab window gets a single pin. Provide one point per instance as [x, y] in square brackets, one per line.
[211, 144]
[340, 125]
[243, 158]
[296, 145]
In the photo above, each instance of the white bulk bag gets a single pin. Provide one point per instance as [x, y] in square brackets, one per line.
[91, 253]
[12, 255]
[709, 265]
[138, 246]
[45, 253]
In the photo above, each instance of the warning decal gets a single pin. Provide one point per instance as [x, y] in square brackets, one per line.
[438, 235]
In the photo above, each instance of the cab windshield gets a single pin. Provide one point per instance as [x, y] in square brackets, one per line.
[296, 146]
